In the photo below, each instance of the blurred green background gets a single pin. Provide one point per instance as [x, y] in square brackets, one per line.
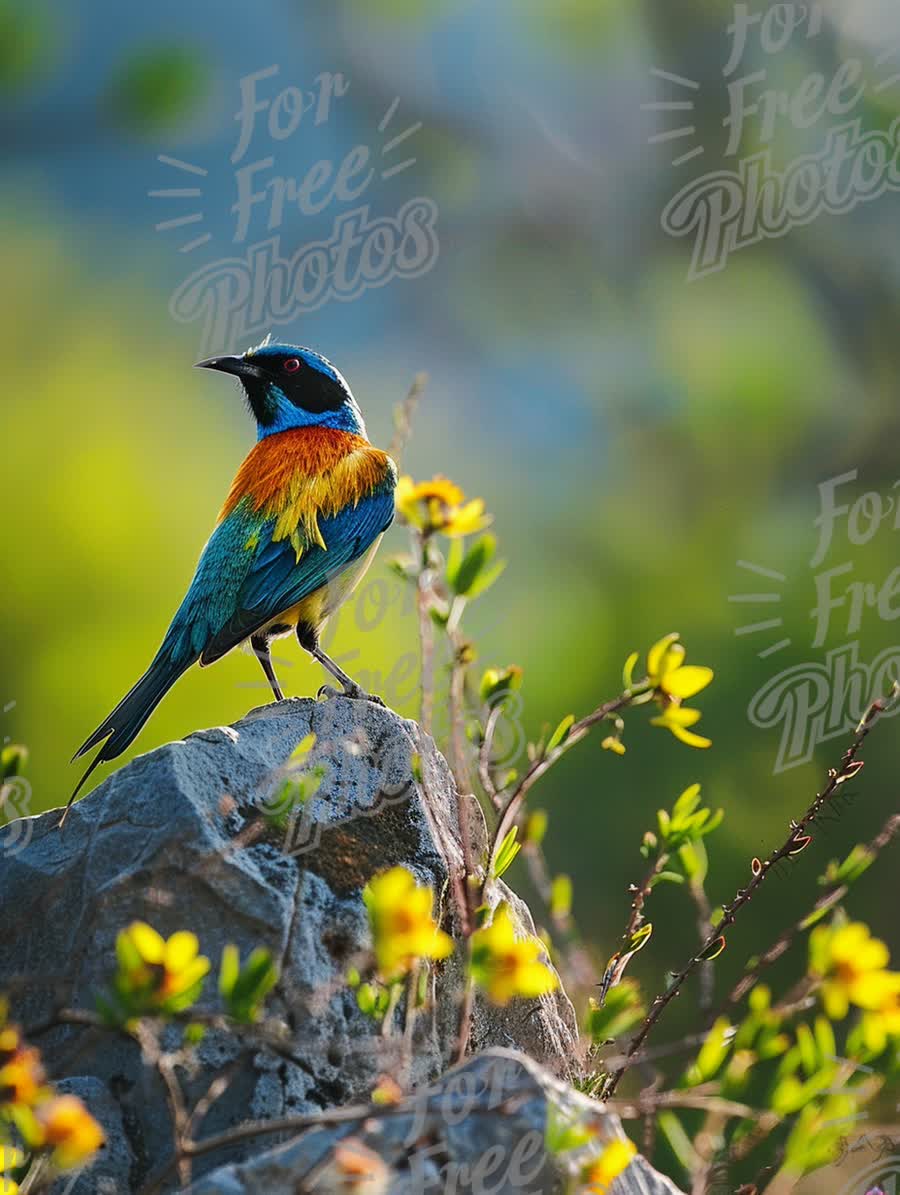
[635, 433]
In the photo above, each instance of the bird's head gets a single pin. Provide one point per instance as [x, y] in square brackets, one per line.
[288, 387]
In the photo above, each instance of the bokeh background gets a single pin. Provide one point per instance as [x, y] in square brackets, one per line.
[635, 433]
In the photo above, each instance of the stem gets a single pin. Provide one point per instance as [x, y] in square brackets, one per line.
[539, 766]
[836, 776]
[831, 897]
[403, 416]
[578, 968]
[484, 755]
[426, 636]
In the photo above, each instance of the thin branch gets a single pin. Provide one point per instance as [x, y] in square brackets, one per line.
[652, 1102]
[795, 842]
[833, 896]
[543, 764]
[578, 968]
[484, 754]
[403, 417]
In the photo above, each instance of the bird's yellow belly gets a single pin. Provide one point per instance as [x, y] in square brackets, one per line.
[317, 607]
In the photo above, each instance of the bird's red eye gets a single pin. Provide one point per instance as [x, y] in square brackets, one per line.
[291, 365]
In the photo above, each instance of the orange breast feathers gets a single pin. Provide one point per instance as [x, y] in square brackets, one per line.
[295, 476]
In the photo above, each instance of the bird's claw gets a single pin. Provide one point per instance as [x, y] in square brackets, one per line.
[356, 693]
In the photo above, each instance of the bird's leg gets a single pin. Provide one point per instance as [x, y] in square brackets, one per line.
[350, 688]
[260, 645]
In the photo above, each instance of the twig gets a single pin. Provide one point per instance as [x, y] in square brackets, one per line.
[795, 842]
[403, 416]
[704, 924]
[164, 1065]
[426, 634]
[465, 1012]
[644, 1103]
[834, 895]
[259, 1128]
[260, 1035]
[214, 1092]
[298, 1124]
[541, 765]
[484, 754]
[579, 966]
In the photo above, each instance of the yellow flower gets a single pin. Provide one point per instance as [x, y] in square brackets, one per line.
[506, 967]
[669, 682]
[668, 673]
[69, 1130]
[601, 1173]
[10, 1158]
[355, 1169]
[678, 718]
[403, 930]
[882, 1024]
[611, 743]
[439, 505]
[851, 964]
[22, 1076]
[156, 975]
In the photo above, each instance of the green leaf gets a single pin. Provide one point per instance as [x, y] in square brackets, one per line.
[497, 683]
[667, 877]
[687, 802]
[806, 1043]
[366, 999]
[535, 827]
[694, 860]
[244, 992]
[506, 852]
[12, 761]
[712, 1053]
[859, 859]
[678, 1140]
[562, 1134]
[639, 938]
[561, 896]
[486, 579]
[463, 575]
[621, 1010]
[229, 969]
[825, 1041]
[561, 733]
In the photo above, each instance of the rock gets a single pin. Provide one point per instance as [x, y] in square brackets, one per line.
[175, 838]
[481, 1128]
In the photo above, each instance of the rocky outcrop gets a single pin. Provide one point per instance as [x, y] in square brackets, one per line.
[482, 1127]
[178, 838]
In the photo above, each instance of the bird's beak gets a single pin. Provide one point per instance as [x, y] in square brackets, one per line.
[240, 367]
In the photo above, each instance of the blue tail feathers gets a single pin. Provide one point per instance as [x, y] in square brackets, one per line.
[124, 723]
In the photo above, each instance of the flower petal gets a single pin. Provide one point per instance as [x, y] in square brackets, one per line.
[688, 680]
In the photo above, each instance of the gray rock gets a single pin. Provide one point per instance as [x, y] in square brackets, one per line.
[481, 1128]
[176, 838]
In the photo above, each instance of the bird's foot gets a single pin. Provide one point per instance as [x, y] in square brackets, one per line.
[354, 692]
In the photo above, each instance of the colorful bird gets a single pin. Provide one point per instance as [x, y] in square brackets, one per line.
[298, 530]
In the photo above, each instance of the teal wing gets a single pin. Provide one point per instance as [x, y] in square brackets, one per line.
[275, 580]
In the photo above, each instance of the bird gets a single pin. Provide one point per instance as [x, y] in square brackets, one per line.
[299, 527]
